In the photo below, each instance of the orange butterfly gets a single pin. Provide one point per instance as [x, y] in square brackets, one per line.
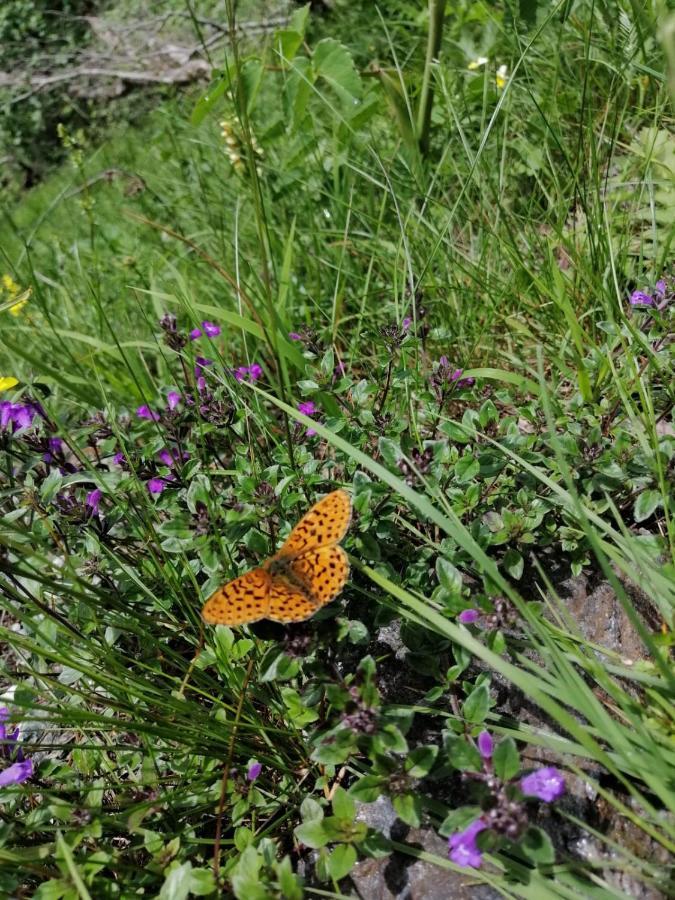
[309, 571]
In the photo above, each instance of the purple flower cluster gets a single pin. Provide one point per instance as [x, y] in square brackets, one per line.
[663, 293]
[209, 329]
[248, 373]
[20, 769]
[308, 408]
[16, 415]
[505, 814]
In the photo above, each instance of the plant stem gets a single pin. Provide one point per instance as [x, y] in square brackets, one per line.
[436, 15]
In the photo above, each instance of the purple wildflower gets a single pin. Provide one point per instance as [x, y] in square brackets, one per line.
[55, 445]
[660, 287]
[308, 408]
[639, 298]
[118, 458]
[201, 384]
[195, 333]
[294, 336]
[21, 769]
[463, 848]
[170, 458]
[253, 771]
[485, 744]
[547, 784]
[144, 412]
[201, 363]
[93, 500]
[156, 485]
[211, 329]
[17, 773]
[172, 399]
[252, 372]
[406, 323]
[468, 616]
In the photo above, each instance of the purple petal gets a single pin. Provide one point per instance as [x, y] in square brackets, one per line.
[443, 361]
[202, 361]
[201, 384]
[639, 298]
[156, 485]
[548, 784]
[23, 416]
[253, 771]
[16, 773]
[195, 333]
[5, 413]
[307, 407]
[463, 848]
[55, 444]
[406, 323]
[310, 432]
[255, 371]
[210, 329]
[93, 500]
[166, 457]
[294, 336]
[660, 288]
[144, 412]
[118, 458]
[468, 616]
[241, 373]
[172, 399]
[456, 374]
[485, 744]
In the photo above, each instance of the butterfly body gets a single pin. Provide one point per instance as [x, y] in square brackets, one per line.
[308, 571]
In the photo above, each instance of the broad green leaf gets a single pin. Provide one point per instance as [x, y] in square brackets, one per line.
[409, 808]
[646, 505]
[334, 64]
[477, 705]
[537, 846]
[341, 861]
[344, 806]
[505, 759]
[419, 761]
[312, 834]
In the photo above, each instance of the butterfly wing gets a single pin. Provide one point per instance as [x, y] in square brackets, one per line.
[325, 523]
[288, 602]
[246, 599]
[323, 571]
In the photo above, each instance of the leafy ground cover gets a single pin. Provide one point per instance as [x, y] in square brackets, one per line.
[428, 264]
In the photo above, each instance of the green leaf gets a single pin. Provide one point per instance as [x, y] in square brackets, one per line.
[202, 882]
[341, 861]
[390, 451]
[250, 78]
[461, 755]
[536, 845]
[646, 504]
[419, 761]
[466, 468]
[287, 43]
[476, 706]
[505, 759]
[368, 788]
[310, 810]
[449, 577]
[333, 63]
[208, 100]
[289, 883]
[312, 834]
[298, 21]
[513, 563]
[177, 883]
[344, 806]
[409, 809]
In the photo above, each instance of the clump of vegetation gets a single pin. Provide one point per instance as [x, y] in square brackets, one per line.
[424, 261]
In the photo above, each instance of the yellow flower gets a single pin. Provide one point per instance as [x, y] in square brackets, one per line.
[477, 63]
[501, 77]
[10, 285]
[7, 382]
[15, 308]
